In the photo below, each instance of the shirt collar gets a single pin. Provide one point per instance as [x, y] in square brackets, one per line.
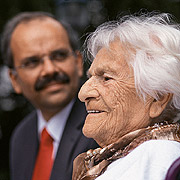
[55, 126]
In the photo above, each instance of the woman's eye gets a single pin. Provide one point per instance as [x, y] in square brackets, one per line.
[107, 78]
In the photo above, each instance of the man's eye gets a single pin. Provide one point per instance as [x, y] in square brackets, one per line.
[32, 62]
[59, 55]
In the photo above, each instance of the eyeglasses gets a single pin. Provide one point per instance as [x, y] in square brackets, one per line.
[35, 61]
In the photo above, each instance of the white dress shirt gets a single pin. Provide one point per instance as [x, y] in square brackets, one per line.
[55, 126]
[149, 161]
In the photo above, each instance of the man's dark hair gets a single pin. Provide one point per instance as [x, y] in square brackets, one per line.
[27, 17]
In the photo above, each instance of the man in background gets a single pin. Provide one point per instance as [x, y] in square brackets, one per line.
[45, 66]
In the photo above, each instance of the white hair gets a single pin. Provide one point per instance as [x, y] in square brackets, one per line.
[155, 58]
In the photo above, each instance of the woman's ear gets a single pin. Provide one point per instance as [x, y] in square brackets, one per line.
[157, 106]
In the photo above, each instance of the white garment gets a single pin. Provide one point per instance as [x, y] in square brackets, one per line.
[55, 126]
[149, 161]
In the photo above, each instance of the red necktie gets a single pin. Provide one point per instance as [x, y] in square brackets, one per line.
[44, 161]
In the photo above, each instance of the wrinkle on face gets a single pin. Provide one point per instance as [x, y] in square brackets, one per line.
[124, 110]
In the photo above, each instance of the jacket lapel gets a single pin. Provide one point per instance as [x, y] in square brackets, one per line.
[31, 148]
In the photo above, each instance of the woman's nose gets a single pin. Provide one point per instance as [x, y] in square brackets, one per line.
[88, 90]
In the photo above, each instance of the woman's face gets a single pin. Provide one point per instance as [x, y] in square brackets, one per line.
[113, 107]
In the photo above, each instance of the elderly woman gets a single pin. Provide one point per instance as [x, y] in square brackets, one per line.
[132, 97]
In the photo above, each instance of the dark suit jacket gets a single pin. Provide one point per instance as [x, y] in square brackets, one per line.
[24, 146]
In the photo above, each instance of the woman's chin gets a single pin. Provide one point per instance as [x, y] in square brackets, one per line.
[86, 131]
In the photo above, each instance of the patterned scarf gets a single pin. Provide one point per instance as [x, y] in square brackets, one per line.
[90, 165]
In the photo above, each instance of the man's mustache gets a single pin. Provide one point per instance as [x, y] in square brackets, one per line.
[56, 77]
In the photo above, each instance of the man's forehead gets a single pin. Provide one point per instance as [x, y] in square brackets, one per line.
[38, 38]
[38, 27]
[38, 22]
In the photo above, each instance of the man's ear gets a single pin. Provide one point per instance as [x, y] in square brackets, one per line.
[79, 60]
[157, 106]
[14, 82]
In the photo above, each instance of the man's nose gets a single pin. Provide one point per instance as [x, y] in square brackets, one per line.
[88, 90]
[48, 67]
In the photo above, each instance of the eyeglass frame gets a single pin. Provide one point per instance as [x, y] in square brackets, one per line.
[41, 59]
